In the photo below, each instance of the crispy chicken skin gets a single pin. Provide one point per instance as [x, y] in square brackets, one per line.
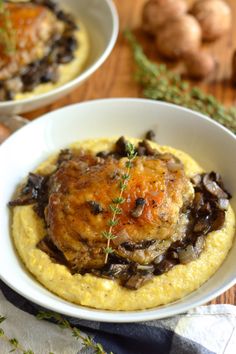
[76, 229]
[32, 28]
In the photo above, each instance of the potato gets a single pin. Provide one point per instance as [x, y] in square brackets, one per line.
[214, 17]
[199, 65]
[157, 12]
[179, 37]
[4, 132]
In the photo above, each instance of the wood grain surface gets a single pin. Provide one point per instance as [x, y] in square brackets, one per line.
[115, 77]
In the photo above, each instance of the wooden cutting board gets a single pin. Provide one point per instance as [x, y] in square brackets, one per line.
[115, 77]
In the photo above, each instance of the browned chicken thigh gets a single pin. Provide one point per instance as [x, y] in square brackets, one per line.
[32, 28]
[78, 210]
[161, 220]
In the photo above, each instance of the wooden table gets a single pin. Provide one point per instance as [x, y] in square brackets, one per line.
[114, 78]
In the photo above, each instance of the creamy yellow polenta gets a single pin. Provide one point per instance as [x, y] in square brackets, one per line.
[88, 290]
[67, 72]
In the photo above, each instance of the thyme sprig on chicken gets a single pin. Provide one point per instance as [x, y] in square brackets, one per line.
[160, 83]
[114, 206]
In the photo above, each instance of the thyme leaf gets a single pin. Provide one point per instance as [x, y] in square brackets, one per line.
[108, 250]
[113, 222]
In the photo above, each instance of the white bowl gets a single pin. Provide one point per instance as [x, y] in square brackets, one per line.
[209, 143]
[101, 20]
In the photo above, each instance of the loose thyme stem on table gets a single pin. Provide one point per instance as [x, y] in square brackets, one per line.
[131, 154]
[160, 83]
[87, 341]
[13, 342]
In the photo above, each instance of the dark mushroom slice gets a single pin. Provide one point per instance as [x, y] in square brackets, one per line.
[110, 154]
[114, 258]
[139, 207]
[103, 154]
[218, 179]
[172, 254]
[65, 155]
[199, 245]
[30, 76]
[202, 225]
[95, 207]
[150, 135]
[223, 203]
[198, 201]
[48, 3]
[144, 148]
[65, 49]
[132, 246]
[137, 280]
[145, 268]
[178, 244]
[213, 188]
[187, 255]
[218, 220]
[31, 190]
[34, 192]
[50, 74]
[47, 246]
[165, 266]
[196, 180]
[23, 200]
[112, 271]
[159, 258]
[205, 209]
[121, 146]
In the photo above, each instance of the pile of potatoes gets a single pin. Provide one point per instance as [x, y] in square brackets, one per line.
[179, 31]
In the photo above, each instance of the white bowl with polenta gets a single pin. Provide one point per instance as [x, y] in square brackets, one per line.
[119, 229]
[53, 46]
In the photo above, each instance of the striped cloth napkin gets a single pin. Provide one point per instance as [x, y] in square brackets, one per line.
[203, 330]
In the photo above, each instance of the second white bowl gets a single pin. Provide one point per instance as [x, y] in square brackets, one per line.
[101, 20]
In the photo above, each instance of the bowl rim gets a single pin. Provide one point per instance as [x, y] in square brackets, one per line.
[84, 74]
[97, 315]
[87, 313]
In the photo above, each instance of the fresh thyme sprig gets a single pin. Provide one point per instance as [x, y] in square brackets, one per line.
[114, 207]
[87, 341]
[7, 33]
[160, 83]
[16, 346]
